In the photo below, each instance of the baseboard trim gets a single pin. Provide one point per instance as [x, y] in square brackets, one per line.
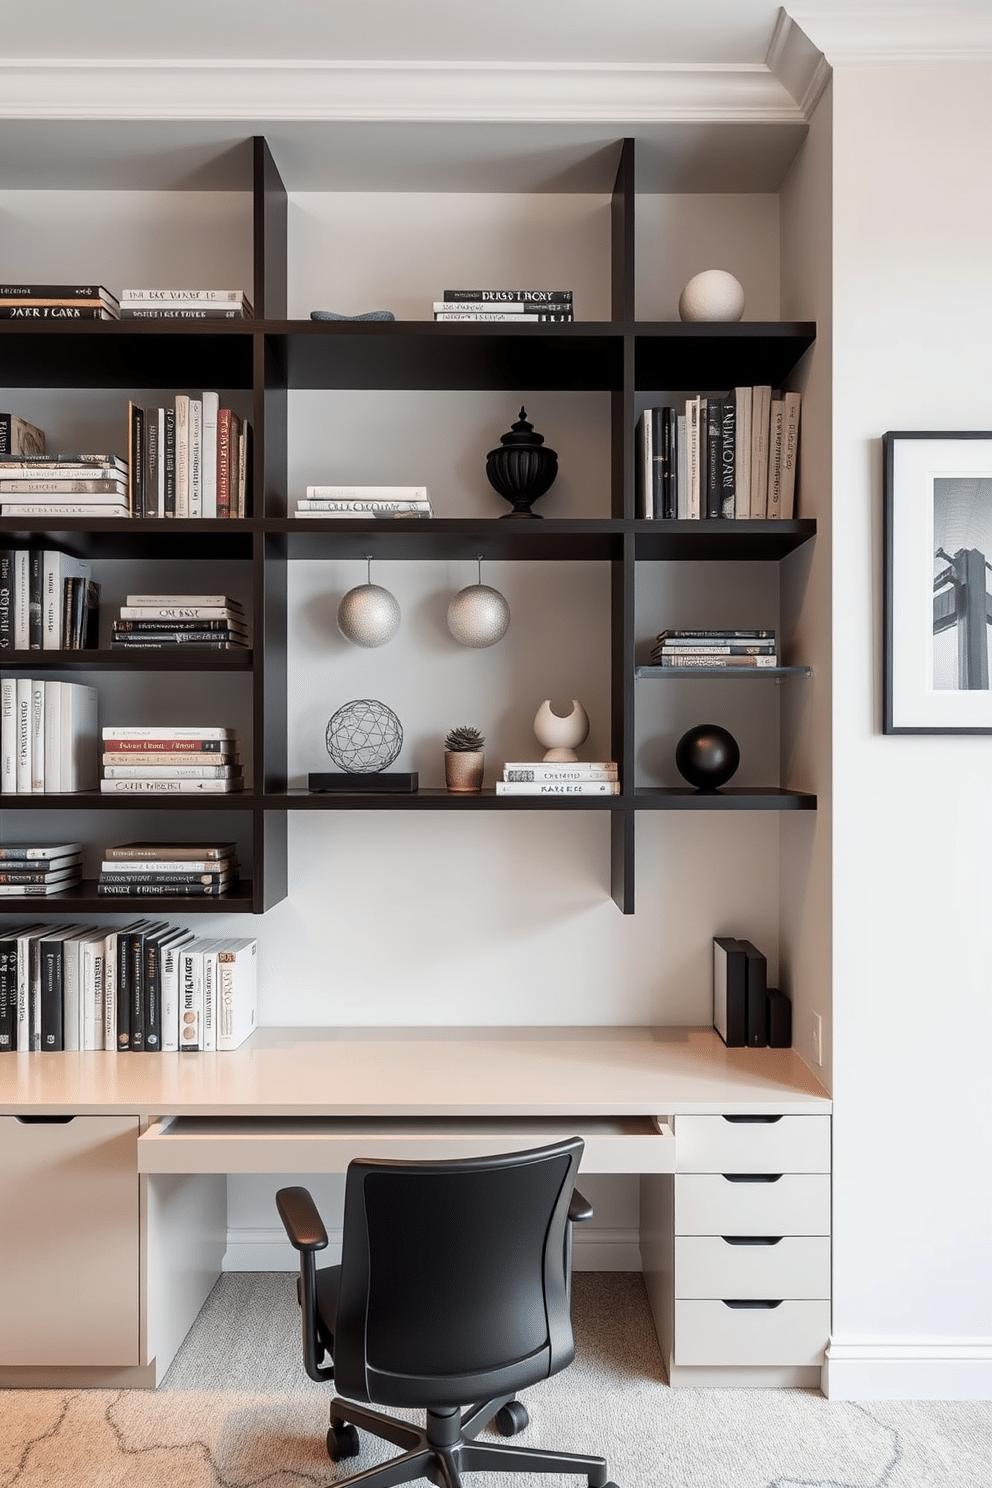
[267, 1249]
[908, 1371]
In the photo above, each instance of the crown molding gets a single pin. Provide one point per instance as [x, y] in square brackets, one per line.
[896, 33]
[175, 89]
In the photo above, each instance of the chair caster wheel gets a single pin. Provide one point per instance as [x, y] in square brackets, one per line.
[511, 1418]
[342, 1441]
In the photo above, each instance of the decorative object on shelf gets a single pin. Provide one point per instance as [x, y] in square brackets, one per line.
[712, 295]
[561, 734]
[707, 756]
[369, 615]
[523, 467]
[366, 315]
[938, 546]
[478, 615]
[464, 760]
[363, 739]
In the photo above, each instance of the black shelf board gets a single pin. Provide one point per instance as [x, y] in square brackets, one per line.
[97, 800]
[437, 799]
[127, 354]
[138, 537]
[718, 538]
[728, 798]
[655, 673]
[83, 898]
[507, 538]
[436, 355]
[179, 658]
[715, 356]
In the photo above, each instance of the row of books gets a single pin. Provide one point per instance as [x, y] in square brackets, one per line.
[715, 648]
[77, 485]
[28, 870]
[165, 760]
[61, 302]
[48, 736]
[548, 778]
[49, 601]
[364, 501]
[526, 306]
[191, 459]
[144, 987]
[202, 622]
[733, 457]
[157, 870]
[747, 1013]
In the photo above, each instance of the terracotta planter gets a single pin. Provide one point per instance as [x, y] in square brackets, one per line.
[463, 769]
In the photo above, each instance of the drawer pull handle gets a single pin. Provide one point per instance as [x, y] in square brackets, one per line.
[752, 1120]
[751, 1239]
[45, 1120]
[752, 1177]
[748, 1304]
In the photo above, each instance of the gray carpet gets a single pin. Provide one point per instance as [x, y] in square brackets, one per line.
[236, 1411]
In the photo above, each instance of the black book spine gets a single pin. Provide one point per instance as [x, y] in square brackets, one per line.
[8, 996]
[757, 1000]
[730, 991]
[136, 958]
[123, 990]
[779, 1027]
[169, 450]
[714, 418]
[669, 463]
[152, 995]
[728, 458]
[52, 1021]
[36, 564]
[6, 599]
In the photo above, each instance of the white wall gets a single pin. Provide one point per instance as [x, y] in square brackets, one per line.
[912, 815]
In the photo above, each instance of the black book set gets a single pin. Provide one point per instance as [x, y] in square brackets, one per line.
[747, 1013]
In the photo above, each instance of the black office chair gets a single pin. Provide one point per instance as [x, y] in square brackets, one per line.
[452, 1292]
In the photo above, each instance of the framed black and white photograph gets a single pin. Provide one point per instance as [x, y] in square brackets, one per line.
[938, 577]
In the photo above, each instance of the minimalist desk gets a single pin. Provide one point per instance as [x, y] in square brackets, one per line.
[121, 1160]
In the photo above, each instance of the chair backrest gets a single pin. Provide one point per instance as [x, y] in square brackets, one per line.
[454, 1277]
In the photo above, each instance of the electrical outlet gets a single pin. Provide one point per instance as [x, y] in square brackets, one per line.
[817, 1039]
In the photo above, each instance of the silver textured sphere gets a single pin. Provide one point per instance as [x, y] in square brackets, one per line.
[363, 737]
[369, 615]
[712, 295]
[478, 616]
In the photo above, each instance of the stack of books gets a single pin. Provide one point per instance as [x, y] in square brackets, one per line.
[57, 302]
[144, 987]
[184, 304]
[202, 622]
[48, 736]
[48, 601]
[18, 437]
[36, 870]
[365, 501]
[64, 486]
[733, 457]
[524, 305]
[161, 760]
[715, 648]
[747, 1013]
[168, 870]
[544, 778]
[191, 459]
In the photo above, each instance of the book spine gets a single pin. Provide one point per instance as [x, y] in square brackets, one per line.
[730, 991]
[154, 627]
[210, 999]
[56, 312]
[180, 312]
[756, 1003]
[136, 987]
[136, 458]
[165, 757]
[8, 741]
[223, 462]
[152, 995]
[173, 737]
[36, 599]
[151, 483]
[186, 296]
[178, 612]
[557, 788]
[64, 509]
[8, 995]
[191, 998]
[505, 307]
[776, 432]
[37, 736]
[727, 458]
[168, 787]
[210, 405]
[52, 1024]
[182, 455]
[719, 661]
[196, 457]
[557, 773]
[488, 296]
[140, 876]
[170, 772]
[170, 852]
[159, 891]
[505, 317]
[6, 599]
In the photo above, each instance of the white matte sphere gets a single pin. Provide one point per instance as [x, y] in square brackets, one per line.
[369, 615]
[561, 736]
[712, 295]
[478, 616]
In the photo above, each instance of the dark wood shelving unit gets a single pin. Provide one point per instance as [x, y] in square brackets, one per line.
[259, 362]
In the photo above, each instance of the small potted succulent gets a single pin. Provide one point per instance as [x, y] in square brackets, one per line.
[464, 759]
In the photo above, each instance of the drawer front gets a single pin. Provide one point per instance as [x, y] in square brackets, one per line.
[709, 1267]
[713, 1333]
[714, 1204]
[783, 1144]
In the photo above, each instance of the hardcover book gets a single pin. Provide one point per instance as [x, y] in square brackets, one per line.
[730, 991]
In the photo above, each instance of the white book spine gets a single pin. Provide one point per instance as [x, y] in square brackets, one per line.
[182, 455]
[72, 995]
[110, 990]
[53, 734]
[191, 995]
[367, 493]
[167, 787]
[23, 739]
[80, 747]
[557, 788]
[211, 407]
[195, 457]
[165, 731]
[210, 998]
[8, 735]
[37, 736]
[237, 993]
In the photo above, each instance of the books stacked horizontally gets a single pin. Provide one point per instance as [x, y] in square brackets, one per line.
[35, 870]
[162, 870]
[191, 459]
[184, 304]
[57, 302]
[715, 648]
[200, 622]
[161, 760]
[144, 987]
[731, 457]
[544, 778]
[524, 305]
[48, 736]
[48, 601]
[365, 501]
[64, 486]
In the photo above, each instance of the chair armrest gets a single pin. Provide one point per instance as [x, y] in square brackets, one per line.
[303, 1224]
[579, 1208]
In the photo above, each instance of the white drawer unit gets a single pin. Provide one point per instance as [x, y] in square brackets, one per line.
[753, 1267]
[744, 1144]
[750, 1333]
[752, 1204]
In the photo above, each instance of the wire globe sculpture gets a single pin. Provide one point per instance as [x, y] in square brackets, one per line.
[363, 737]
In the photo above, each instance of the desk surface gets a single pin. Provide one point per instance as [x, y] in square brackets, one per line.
[424, 1071]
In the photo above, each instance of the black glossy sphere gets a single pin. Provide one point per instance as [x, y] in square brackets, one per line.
[707, 756]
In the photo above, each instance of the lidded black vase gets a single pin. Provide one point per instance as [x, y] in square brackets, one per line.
[523, 467]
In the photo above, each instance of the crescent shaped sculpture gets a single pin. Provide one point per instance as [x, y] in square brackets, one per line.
[561, 734]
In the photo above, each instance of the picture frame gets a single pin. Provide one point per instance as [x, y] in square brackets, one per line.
[937, 490]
